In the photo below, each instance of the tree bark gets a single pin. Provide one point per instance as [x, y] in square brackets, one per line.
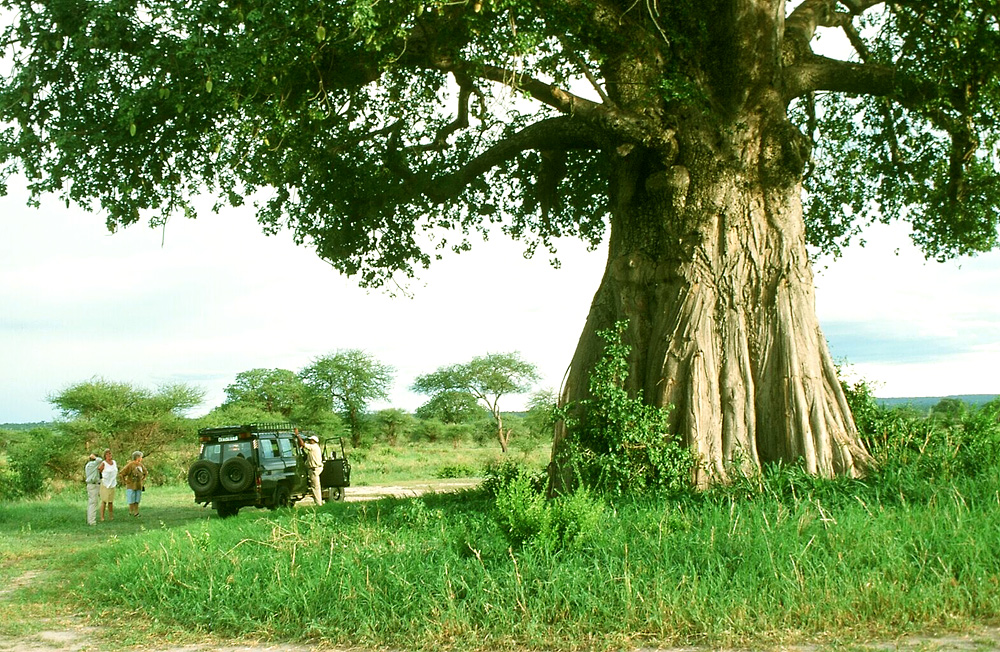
[708, 263]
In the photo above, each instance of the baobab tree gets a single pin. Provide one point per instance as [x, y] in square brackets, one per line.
[691, 130]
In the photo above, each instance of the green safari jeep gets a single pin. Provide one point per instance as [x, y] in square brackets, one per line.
[259, 465]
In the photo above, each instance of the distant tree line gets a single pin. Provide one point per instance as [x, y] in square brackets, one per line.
[332, 395]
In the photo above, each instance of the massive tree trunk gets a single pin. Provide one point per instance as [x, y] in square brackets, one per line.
[707, 262]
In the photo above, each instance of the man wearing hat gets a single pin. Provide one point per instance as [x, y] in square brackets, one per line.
[92, 476]
[314, 460]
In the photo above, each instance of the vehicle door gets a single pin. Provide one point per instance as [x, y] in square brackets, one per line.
[238, 464]
[272, 465]
[294, 463]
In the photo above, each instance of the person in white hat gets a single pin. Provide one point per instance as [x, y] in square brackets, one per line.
[314, 460]
[93, 479]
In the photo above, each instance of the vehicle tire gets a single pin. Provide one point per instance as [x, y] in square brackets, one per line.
[225, 510]
[236, 474]
[203, 477]
[282, 498]
[336, 494]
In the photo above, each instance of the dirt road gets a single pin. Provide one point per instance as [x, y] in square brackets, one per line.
[67, 636]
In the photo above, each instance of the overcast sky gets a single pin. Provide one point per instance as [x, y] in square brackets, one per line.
[206, 299]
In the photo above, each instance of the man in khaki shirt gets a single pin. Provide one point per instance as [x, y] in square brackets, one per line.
[314, 460]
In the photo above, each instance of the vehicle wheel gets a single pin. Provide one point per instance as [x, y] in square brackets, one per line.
[282, 498]
[226, 510]
[236, 474]
[203, 476]
[336, 493]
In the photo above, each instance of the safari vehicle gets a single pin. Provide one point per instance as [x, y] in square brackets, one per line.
[258, 465]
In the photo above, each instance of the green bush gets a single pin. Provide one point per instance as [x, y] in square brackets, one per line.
[9, 481]
[527, 518]
[618, 443]
[886, 432]
[435, 430]
[455, 471]
[915, 455]
[27, 470]
[978, 451]
[499, 474]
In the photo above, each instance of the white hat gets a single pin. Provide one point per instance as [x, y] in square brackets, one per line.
[313, 437]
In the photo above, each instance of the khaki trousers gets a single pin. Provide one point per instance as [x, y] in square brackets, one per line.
[317, 491]
[93, 497]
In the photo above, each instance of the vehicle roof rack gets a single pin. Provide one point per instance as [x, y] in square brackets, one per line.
[255, 428]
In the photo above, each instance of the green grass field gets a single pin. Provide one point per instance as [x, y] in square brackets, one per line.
[767, 562]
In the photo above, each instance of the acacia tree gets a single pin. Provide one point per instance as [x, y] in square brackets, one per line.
[487, 378]
[348, 381]
[690, 128]
[121, 416]
[278, 391]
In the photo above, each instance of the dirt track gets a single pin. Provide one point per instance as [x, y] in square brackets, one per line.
[67, 637]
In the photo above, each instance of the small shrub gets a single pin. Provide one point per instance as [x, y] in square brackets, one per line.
[521, 510]
[455, 471]
[885, 432]
[527, 518]
[27, 464]
[9, 481]
[499, 474]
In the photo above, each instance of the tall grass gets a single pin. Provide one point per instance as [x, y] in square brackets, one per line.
[793, 560]
[767, 560]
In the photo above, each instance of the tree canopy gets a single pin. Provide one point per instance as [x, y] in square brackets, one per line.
[272, 390]
[451, 406]
[121, 416]
[411, 110]
[347, 381]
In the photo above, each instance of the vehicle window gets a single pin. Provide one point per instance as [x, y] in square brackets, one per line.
[219, 452]
[287, 450]
[212, 452]
[237, 449]
[268, 449]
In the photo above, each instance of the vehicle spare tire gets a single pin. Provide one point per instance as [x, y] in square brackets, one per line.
[203, 477]
[236, 474]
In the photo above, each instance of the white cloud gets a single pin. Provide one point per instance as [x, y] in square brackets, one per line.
[915, 327]
[218, 297]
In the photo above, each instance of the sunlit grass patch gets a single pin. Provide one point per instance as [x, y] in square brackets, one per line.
[390, 464]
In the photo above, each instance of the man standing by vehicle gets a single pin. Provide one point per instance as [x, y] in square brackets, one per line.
[314, 460]
[92, 476]
[134, 475]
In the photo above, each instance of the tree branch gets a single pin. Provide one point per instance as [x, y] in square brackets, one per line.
[816, 73]
[621, 125]
[560, 133]
[461, 121]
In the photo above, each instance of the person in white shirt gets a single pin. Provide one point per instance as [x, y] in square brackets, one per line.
[109, 480]
[93, 479]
